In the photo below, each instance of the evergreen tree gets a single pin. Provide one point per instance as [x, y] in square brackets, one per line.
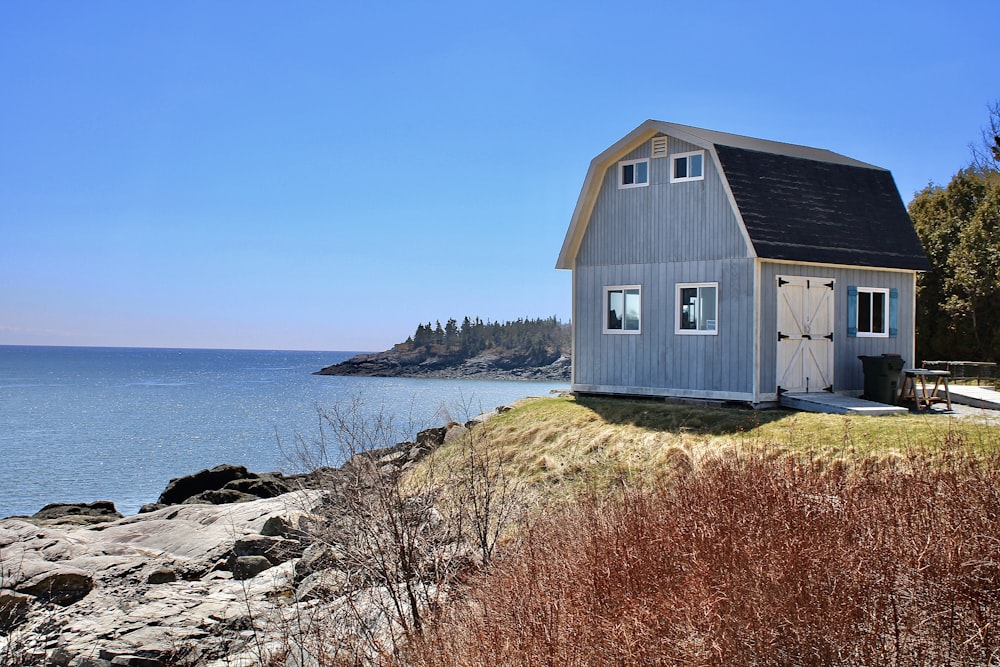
[451, 334]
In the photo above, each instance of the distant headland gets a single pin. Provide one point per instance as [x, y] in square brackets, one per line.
[525, 349]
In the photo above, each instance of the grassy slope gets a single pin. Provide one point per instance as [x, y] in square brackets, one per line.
[883, 549]
[561, 446]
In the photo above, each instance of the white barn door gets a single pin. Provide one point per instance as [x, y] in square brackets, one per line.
[805, 334]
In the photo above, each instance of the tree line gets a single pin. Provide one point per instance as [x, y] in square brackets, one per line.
[472, 336]
[958, 300]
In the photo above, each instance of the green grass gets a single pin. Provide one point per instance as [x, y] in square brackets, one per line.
[560, 446]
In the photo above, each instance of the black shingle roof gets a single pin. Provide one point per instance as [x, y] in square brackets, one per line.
[806, 210]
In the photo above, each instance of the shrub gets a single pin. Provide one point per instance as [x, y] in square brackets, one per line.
[748, 561]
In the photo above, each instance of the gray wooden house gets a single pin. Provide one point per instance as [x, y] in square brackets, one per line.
[711, 265]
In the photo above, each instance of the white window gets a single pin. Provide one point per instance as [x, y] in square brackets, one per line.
[622, 309]
[633, 173]
[873, 312]
[697, 308]
[688, 167]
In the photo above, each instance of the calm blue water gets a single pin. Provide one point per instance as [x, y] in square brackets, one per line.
[85, 424]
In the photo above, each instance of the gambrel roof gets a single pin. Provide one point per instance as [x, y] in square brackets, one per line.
[795, 203]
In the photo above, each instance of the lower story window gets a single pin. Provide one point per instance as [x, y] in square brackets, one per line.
[873, 309]
[623, 309]
[698, 307]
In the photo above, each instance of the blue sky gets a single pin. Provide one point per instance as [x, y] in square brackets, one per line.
[316, 175]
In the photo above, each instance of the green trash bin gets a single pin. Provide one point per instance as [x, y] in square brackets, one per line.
[882, 377]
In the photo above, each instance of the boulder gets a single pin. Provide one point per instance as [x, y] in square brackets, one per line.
[219, 497]
[96, 512]
[455, 432]
[267, 485]
[432, 437]
[279, 526]
[180, 489]
[275, 549]
[248, 567]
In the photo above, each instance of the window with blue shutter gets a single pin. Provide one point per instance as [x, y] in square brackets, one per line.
[872, 312]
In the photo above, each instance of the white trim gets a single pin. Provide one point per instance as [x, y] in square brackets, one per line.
[574, 323]
[885, 313]
[684, 156]
[633, 184]
[757, 343]
[604, 314]
[666, 392]
[911, 329]
[714, 331]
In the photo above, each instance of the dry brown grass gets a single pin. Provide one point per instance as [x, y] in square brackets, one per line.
[677, 535]
[749, 561]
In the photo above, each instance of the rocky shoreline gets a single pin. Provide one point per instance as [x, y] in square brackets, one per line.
[213, 574]
[484, 366]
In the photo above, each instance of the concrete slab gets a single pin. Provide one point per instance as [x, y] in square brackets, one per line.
[838, 404]
[977, 397]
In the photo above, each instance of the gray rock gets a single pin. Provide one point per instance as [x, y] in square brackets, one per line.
[263, 486]
[455, 432]
[181, 488]
[432, 437]
[138, 661]
[219, 497]
[161, 575]
[13, 609]
[323, 585]
[59, 584]
[248, 567]
[101, 510]
[277, 526]
[315, 558]
[275, 549]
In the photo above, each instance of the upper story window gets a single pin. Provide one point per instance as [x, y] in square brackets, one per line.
[633, 173]
[688, 167]
[697, 308]
[623, 309]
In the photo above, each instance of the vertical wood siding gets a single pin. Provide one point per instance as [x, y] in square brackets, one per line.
[658, 358]
[658, 236]
[847, 373]
[669, 233]
[663, 221]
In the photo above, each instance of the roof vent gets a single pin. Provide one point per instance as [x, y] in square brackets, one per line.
[659, 146]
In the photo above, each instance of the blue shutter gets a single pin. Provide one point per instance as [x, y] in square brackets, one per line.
[893, 312]
[852, 311]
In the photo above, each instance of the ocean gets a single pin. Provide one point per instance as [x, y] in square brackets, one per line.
[82, 424]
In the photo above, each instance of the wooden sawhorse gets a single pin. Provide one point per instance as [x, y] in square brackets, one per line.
[909, 391]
